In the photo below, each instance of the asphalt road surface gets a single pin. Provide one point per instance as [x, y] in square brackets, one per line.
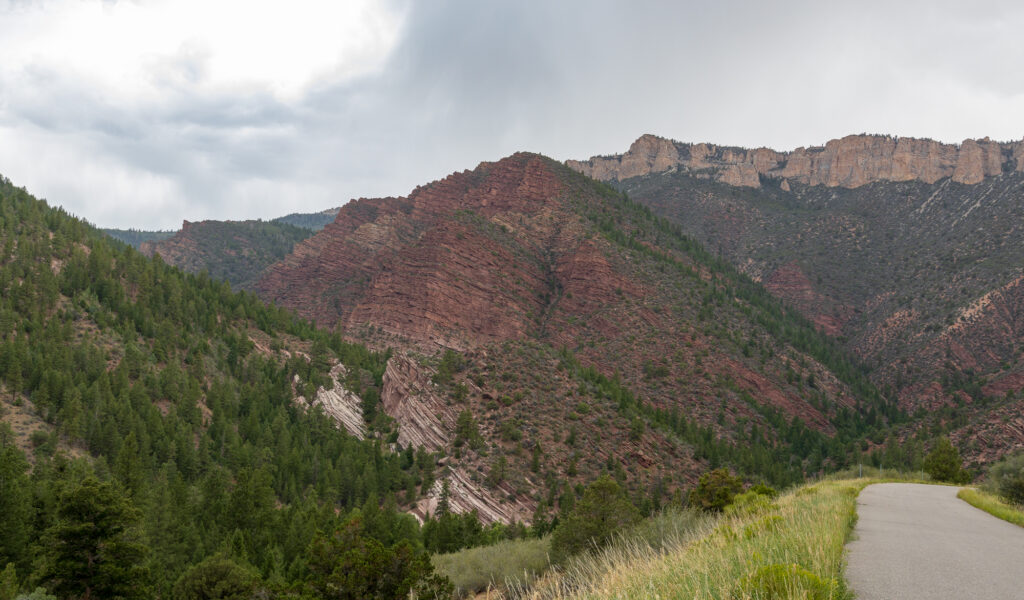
[921, 541]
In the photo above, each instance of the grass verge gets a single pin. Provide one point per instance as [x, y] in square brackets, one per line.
[789, 548]
[993, 505]
[792, 547]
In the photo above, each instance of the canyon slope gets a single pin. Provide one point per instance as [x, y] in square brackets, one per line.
[574, 333]
[907, 251]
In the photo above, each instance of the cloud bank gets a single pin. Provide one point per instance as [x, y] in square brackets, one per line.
[141, 114]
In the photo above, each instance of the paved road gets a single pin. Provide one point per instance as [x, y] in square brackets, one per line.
[921, 541]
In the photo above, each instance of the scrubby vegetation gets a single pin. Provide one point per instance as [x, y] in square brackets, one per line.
[791, 547]
[1006, 478]
[511, 563]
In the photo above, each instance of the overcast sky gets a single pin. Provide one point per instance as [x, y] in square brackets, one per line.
[141, 114]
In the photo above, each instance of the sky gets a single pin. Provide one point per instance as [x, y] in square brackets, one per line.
[146, 113]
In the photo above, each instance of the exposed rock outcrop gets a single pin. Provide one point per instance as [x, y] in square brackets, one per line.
[408, 396]
[339, 403]
[849, 162]
[466, 495]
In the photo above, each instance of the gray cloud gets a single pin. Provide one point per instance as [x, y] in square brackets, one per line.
[469, 82]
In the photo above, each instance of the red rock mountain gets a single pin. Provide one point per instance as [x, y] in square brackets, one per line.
[424, 269]
[565, 301]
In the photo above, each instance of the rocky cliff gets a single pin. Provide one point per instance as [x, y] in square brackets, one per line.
[849, 162]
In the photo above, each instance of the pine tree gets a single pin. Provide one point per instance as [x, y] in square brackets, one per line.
[94, 548]
[943, 462]
[601, 512]
[15, 505]
[8, 582]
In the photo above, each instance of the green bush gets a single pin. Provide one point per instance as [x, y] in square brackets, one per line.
[1006, 478]
[603, 511]
[217, 577]
[776, 582]
[715, 490]
[749, 503]
[764, 490]
[943, 463]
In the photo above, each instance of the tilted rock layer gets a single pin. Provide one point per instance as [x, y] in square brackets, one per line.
[507, 265]
[850, 162]
[432, 268]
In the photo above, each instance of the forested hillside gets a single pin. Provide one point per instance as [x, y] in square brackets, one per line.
[235, 251]
[135, 237]
[315, 221]
[167, 444]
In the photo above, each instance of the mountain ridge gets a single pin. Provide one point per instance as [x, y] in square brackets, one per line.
[850, 162]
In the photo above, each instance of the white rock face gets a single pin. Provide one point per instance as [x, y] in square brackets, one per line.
[424, 417]
[340, 404]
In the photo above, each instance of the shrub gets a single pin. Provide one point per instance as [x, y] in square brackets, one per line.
[603, 511]
[764, 490]
[217, 577]
[715, 490]
[749, 503]
[943, 463]
[1006, 478]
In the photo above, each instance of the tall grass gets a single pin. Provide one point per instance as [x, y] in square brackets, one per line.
[512, 569]
[789, 548]
[993, 505]
[516, 562]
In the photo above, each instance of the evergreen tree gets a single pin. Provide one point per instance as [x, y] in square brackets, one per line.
[95, 551]
[715, 490]
[15, 505]
[347, 565]
[943, 463]
[8, 582]
[603, 510]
